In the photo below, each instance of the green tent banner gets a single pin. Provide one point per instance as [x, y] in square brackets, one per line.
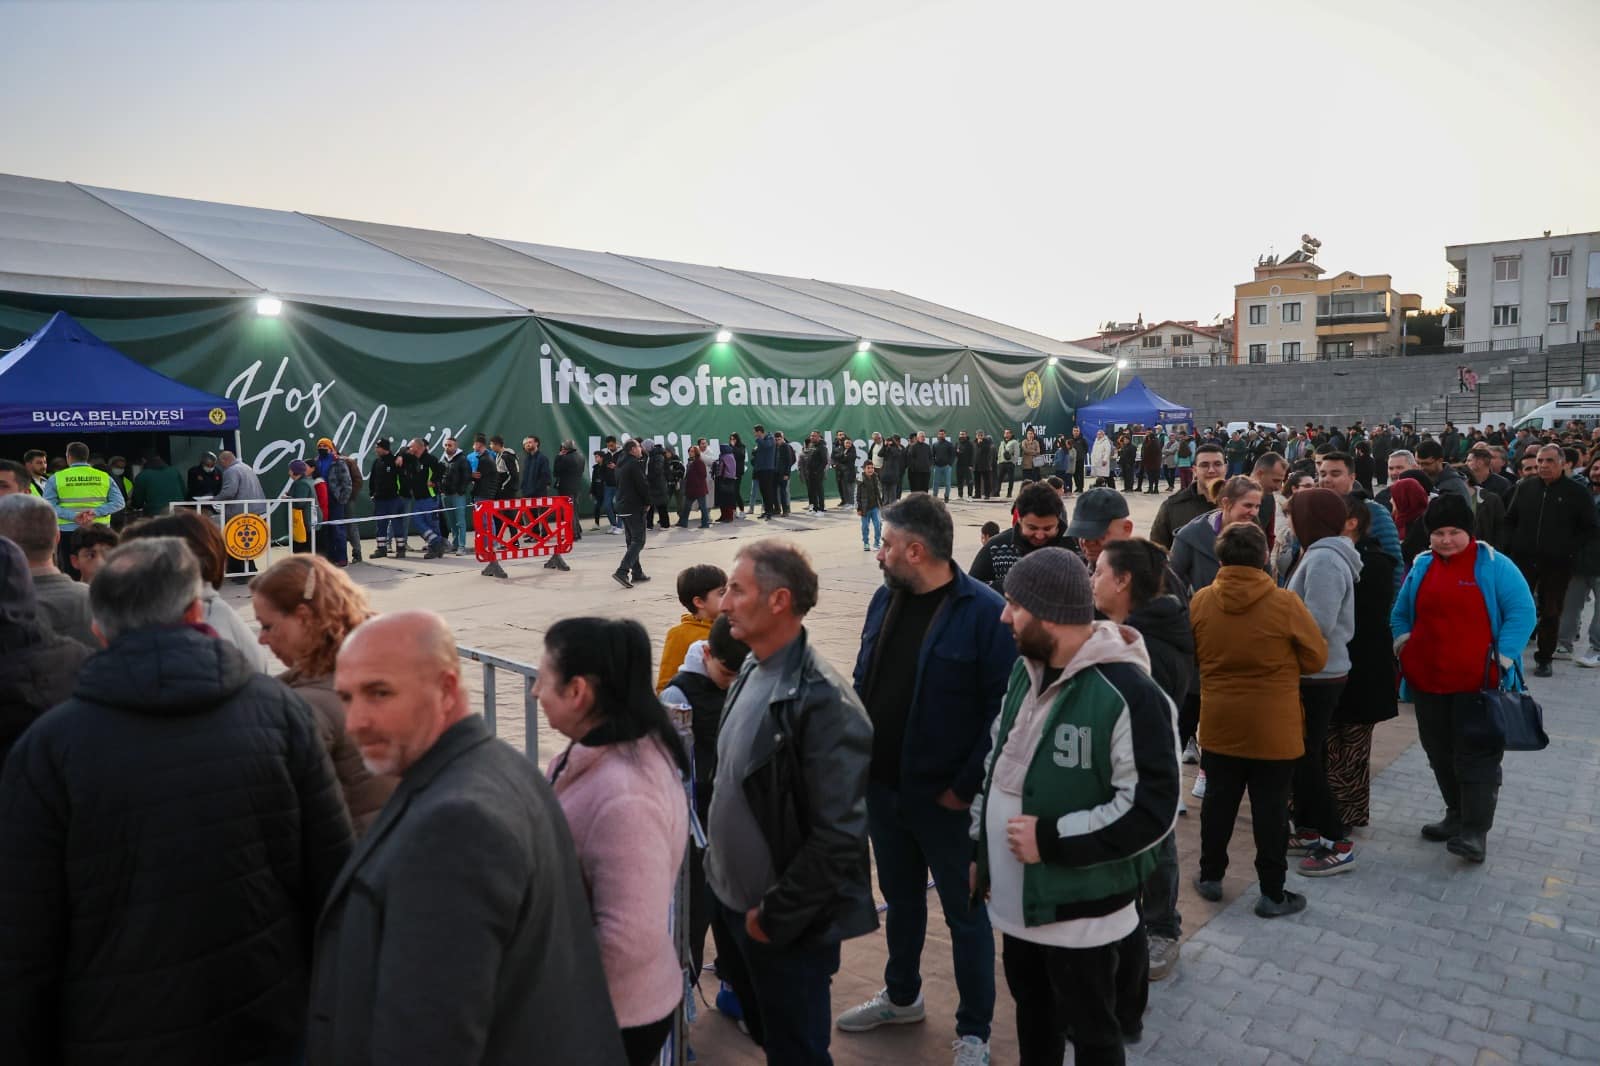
[356, 377]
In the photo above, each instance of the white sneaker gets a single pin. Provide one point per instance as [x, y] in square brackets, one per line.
[1199, 789]
[970, 1051]
[1563, 651]
[1589, 659]
[1191, 752]
[880, 1010]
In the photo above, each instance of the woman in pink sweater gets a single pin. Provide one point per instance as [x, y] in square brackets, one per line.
[621, 784]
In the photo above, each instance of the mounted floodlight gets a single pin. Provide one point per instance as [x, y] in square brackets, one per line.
[724, 336]
[1122, 364]
[1053, 360]
[864, 346]
[270, 306]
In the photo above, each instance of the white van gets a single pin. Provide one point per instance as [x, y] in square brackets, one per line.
[1267, 424]
[1558, 413]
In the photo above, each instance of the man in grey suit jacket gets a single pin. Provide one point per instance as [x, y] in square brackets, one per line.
[459, 931]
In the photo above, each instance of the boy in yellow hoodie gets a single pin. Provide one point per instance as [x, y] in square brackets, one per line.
[700, 591]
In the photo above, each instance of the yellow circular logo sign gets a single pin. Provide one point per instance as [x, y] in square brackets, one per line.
[246, 536]
[217, 416]
[1032, 390]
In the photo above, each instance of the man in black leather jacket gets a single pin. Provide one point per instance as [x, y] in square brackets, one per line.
[788, 820]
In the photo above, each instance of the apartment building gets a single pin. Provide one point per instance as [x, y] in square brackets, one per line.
[1172, 342]
[1290, 312]
[1511, 294]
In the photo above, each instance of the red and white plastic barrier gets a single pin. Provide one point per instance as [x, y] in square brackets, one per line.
[522, 529]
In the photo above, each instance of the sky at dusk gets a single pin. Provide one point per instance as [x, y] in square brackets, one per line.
[1050, 165]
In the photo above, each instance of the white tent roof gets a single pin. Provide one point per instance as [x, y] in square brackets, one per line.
[60, 238]
[55, 238]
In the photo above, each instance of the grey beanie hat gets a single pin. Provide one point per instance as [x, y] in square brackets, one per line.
[1052, 584]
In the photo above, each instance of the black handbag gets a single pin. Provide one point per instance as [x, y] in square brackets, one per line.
[1494, 716]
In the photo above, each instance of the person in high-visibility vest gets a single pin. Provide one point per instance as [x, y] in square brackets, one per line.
[81, 494]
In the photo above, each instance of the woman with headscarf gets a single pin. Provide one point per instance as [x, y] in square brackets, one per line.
[727, 483]
[1100, 458]
[1463, 618]
[1369, 694]
[621, 783]
[1408, 499]
[1324, 578]
[38, 668]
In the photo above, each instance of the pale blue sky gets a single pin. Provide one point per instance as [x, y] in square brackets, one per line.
[1046, 164]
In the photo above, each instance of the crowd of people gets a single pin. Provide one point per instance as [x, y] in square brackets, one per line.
[341, 863]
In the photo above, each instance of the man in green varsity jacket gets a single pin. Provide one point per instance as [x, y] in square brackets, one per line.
[1080, 785]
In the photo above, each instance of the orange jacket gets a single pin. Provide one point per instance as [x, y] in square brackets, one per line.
[1253, 641]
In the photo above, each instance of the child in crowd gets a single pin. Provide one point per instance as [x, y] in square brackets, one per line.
[302, 506]
[700, 591]
[990, 529]
[869, 502]
[90, 546]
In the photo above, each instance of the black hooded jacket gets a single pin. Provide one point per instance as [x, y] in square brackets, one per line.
[168, 836]
[1164, 625]
[37, 667]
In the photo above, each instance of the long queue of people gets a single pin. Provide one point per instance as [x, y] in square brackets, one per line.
[383, 879]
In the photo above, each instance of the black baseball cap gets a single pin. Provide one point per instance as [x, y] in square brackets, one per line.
[1095, 511]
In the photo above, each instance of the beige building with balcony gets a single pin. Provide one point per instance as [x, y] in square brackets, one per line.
[1290, 312]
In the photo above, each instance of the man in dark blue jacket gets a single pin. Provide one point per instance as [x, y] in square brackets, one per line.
[932, 670]
[535, 469]
[765, 465]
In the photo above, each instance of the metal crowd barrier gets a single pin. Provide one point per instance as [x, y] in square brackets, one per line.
[530, 706]
[675, 1051]
[224, 511]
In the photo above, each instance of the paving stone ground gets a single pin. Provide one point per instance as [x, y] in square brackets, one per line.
[1412, 957]
[1416, 956]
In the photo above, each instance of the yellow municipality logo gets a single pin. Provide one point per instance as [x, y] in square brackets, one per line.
[1032, 390]
[217, 416]
[246, 535]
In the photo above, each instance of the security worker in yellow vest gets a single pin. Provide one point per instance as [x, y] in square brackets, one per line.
[81, 495]
[118, 466]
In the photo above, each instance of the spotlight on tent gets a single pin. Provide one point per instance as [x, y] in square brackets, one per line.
[864, 346]
[269, 306]
[724, 336]
[1053, 360]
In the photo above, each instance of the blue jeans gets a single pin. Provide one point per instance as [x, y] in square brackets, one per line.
[391, 520]
[873, 519]
[910, 839]
[608, 504]
[783, 493]
[425, 524]
[942, 476]
[689, 504]
[789, 988]
[457, 514]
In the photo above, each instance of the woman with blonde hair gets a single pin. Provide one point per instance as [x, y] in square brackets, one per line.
[306, 606]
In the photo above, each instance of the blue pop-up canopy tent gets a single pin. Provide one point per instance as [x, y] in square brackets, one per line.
[64, 379]
[1136, 403]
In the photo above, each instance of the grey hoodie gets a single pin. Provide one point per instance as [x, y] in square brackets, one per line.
[1325, 579]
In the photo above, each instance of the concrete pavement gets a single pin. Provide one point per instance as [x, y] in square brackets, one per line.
[1412, 957]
